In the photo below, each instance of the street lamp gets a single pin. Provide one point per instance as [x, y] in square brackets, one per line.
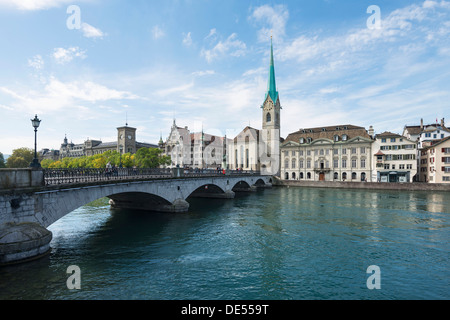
[120, 152]
[35, 123]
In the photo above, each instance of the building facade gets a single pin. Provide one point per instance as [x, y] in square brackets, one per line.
[395, 158]
[194, 150]
[435, 162]
[336, 153]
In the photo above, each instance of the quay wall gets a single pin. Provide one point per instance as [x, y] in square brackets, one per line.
[363, 185]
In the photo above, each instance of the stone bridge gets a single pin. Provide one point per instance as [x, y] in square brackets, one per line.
[32, 200]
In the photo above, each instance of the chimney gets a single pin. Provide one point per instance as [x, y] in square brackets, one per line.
[371, 131]
[421, 123]
[443, 122]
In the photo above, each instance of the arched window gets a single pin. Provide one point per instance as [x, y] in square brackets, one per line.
[336, 138]
[344, 176]
[301, 175]
[354, 176]
[308, 175]
[293, 176]
[363, 176]
[286, 176]
[344, 137]
[268, 118]
[336, 176]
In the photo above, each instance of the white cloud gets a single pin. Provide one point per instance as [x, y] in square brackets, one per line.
[231, 46]
[90, 31]
[274, 21]
[57, 95]
[63, 56]
[187, 39]
[31, 5]
[203, 73]
[157, 32]
[36, 62]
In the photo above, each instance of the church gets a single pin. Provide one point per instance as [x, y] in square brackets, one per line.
[259, 150]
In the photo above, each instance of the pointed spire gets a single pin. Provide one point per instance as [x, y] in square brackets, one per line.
[272, 87]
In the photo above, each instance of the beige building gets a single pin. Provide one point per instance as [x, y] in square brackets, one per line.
[335, 153]
[395, 158]
[435, 162]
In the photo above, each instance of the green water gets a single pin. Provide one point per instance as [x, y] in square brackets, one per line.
[280, 243]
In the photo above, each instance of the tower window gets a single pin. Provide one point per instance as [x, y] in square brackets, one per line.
[268, 118]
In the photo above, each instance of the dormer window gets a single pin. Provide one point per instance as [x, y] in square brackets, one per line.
[323, 129]
[344, 137]
[336, 138]
[309, 140]
[302, 140]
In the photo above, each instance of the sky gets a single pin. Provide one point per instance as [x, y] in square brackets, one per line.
[87, 67]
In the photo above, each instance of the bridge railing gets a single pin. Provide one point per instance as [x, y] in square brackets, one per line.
[69, 176]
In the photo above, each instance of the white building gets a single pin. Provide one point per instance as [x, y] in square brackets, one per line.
[334, 153]
[395, 158]
[194, 150]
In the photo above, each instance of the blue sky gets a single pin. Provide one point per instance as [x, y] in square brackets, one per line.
[206, 63]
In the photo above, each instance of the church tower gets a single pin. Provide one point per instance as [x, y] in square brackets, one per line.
[271, 109]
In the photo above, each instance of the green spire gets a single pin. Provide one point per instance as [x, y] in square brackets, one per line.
[272, 87]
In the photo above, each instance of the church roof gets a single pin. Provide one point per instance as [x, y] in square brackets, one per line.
[328, 133]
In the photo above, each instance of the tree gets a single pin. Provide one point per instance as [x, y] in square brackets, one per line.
[2, 161]
[150, 158]
[20, 158]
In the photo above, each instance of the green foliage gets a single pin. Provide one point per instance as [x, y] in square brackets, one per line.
[144, 158]
[20, 158]
[2, 161]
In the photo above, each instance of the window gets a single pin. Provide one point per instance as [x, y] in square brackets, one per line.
[308, 164]
[336, 176]
[268, 118]
[386, 167]
[393, 167]
[363, 150]
[301, 164]
[353, 163]
[344, 151]
[286, 163]
[446, 169]
[335, 163]
[302, 140]
[322, 152]
[293, 163]
[363, 163]
[354, 176]
[427, 135]
[446, 179]
[308, 175]
[344, 163]
[445, 150]
[336, 138]
[401, 167]
[344, 176]
[336, 151]
[344, 137]
[392, 139]
[353, 150]
[383, 140]
[409, 166]
[293, 153]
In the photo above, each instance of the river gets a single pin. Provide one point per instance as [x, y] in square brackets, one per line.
[274, 244]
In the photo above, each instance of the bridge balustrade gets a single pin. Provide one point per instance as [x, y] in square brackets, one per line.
[70, 176]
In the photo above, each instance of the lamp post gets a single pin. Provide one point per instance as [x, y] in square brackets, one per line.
[35, 123]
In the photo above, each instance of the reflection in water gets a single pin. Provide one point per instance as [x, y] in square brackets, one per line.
[290, 243]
